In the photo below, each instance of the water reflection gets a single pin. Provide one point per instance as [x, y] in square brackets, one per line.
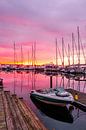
[22, 83]
[56, 112]
[31, 80]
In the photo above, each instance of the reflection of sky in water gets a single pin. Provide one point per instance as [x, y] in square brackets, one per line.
[22, 83]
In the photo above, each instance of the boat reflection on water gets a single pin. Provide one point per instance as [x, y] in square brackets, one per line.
[59, 113]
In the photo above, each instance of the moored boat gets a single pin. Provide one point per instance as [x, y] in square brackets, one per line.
[60, 113]
[57, 96]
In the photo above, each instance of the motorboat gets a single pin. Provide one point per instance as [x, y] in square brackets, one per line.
[60, 113]
[56, 96]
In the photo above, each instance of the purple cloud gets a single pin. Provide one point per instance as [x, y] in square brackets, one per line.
[29, 20]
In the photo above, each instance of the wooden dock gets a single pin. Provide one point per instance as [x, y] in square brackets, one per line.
[81, 101]
[16, 115]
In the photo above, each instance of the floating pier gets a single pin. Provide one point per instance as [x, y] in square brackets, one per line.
[16, 115]
[80, 99]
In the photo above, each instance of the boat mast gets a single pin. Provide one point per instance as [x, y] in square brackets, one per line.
[28, 57]
[73, 47]
[78, 46]
[83, 53]
[63, 51]
[21, 56]
[32, 54]
[14, 54]
[56, 54]
[68, 55]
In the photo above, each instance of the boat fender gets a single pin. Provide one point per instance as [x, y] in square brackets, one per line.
[76, 96]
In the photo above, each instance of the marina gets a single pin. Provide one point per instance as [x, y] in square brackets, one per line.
[42, 65]
[21, 84]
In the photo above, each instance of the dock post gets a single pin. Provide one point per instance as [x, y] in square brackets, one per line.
[51, 81]
[1, 83]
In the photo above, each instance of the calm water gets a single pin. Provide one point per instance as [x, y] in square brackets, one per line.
[59, 118]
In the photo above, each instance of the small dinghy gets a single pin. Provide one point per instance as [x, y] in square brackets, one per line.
[57, 96]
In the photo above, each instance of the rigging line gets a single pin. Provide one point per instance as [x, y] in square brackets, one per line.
[83, 53]
[75, 45]
[83, 50]
[66, 51]
[60, 54]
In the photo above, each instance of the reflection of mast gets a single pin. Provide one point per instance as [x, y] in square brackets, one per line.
[73, 84]
[78, 88]
[69, 83]
[56, 80]
[28, 79]
[14, 81]
[21, 81]
[84, 86]
[33, 81]
[63, 81]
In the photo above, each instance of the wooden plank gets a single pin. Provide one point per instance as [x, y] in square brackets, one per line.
[19, 116]
[24, 115]
[15, 114]
[7, 113]
[16, 122]
[2, 114]
[29, 115]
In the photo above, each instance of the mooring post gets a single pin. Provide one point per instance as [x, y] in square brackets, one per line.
[51, 81]
[1, 83]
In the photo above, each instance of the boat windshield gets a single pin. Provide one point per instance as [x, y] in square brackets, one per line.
[61, 92]
[61, 89]
[45, 91]
[62, 95]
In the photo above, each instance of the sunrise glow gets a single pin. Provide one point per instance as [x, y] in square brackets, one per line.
[41, 22]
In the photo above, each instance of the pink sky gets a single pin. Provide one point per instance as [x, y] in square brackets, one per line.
[26, 21]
